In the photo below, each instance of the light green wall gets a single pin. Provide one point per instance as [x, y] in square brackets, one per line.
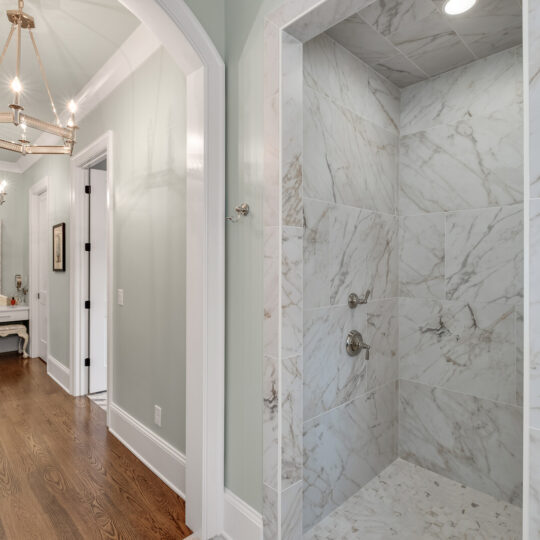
[56, 168]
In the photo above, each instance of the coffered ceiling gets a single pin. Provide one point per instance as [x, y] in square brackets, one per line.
[411, 40]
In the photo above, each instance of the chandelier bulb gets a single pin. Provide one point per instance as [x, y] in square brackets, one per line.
[72, 106]
[16, 85]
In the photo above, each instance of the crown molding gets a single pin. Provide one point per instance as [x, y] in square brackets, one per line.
[137, 48]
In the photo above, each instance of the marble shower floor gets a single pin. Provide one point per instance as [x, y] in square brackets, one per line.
[409, 502]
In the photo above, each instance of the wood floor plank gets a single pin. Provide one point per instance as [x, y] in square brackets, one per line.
[63, 475]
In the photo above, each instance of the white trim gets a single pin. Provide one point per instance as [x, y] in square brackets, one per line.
[241, 521]
[137, 48]
[93, 153]
[58, 372]
[34, 192]
[157, 454]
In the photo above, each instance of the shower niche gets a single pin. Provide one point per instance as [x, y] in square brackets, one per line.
[408, 183]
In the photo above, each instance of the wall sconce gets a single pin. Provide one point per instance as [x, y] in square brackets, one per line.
[3, 192]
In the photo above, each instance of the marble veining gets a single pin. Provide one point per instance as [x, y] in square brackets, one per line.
[347, 447]
[484, 255]
[334, 72]
[421, 256]
[291, 513]
[331, 376]
[467, 348]
[534, 490]
[465, 438]
[474, 163]
[418, 33]
[347, 159]
[489, 88]
[408, 502]
[270, 421]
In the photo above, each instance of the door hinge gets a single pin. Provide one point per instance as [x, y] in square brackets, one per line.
[87, 304]
[87, 246]
[87, 362]
[88, 189]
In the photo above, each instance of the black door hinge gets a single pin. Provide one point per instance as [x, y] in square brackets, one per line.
[87, 362]
[87, 304]
[87, 246]
[88, 189]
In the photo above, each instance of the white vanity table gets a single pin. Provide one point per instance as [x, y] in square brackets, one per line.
[9, 315]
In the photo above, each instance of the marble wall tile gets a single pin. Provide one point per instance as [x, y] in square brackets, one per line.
[519, 341]
[467, 439]
[291, 421]
[400, 70]
[316, 253]
[362, 40]
[291, 291]
[534, 488]
[291, 131]
[484, 255]
[388, 17]
[421, 256]
[493, 26]
[347, 159]
[291, 513]
[270, 513]
[270, 421]
[534, 311]
[325, 15]
[534, 95]
[331, 376]
[491, 87]
[348, 250]
[431, 44]
[382, 334]
[474, 163]
[334, 72]
[345, 448]
[271, 270]
[467, 348]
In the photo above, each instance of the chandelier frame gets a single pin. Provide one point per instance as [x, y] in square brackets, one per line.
[22, 21]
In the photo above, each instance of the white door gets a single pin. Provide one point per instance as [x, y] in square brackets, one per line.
[43, 263]
[98, 282]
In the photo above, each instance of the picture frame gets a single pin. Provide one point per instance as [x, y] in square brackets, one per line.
[59, 247]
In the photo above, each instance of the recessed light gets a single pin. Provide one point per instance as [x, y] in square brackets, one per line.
[455, 7]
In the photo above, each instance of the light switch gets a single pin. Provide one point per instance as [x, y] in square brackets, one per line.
[120, 297]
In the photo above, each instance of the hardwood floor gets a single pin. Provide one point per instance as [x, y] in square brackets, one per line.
[63, 475]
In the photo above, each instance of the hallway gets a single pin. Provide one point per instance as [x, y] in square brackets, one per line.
[62, 475]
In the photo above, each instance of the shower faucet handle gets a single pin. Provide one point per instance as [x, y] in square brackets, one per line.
[355, 344]
[355, 300]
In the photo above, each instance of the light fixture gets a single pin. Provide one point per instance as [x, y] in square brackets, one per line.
[22, 21]
[3, 192]
[455, 7]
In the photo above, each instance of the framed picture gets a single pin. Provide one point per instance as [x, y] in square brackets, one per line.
[59, 247]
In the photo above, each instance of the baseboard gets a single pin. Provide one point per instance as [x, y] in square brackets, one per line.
[157, 454]
[59, 373]
[241, 521]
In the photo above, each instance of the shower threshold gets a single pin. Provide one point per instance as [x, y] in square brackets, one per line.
[409, 502]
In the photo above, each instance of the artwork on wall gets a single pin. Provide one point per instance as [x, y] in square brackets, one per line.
[59, 247]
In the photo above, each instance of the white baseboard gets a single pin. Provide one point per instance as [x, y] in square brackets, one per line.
[241, 521]
[157, 454]
[59, 373]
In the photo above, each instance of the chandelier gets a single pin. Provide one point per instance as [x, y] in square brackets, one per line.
[21, 21]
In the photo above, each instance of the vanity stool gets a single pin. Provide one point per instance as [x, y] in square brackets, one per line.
[16, 330]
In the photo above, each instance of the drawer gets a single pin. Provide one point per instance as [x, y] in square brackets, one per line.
[19, 315]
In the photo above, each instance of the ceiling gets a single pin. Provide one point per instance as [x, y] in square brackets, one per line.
[411, 40]
[75, 38]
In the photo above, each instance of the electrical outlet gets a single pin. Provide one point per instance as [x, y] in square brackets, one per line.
[157, 415]
[120, 297]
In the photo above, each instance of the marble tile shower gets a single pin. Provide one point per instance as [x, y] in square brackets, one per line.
[416, 195]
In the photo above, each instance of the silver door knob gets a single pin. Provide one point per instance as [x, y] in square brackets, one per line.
[355, 344]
